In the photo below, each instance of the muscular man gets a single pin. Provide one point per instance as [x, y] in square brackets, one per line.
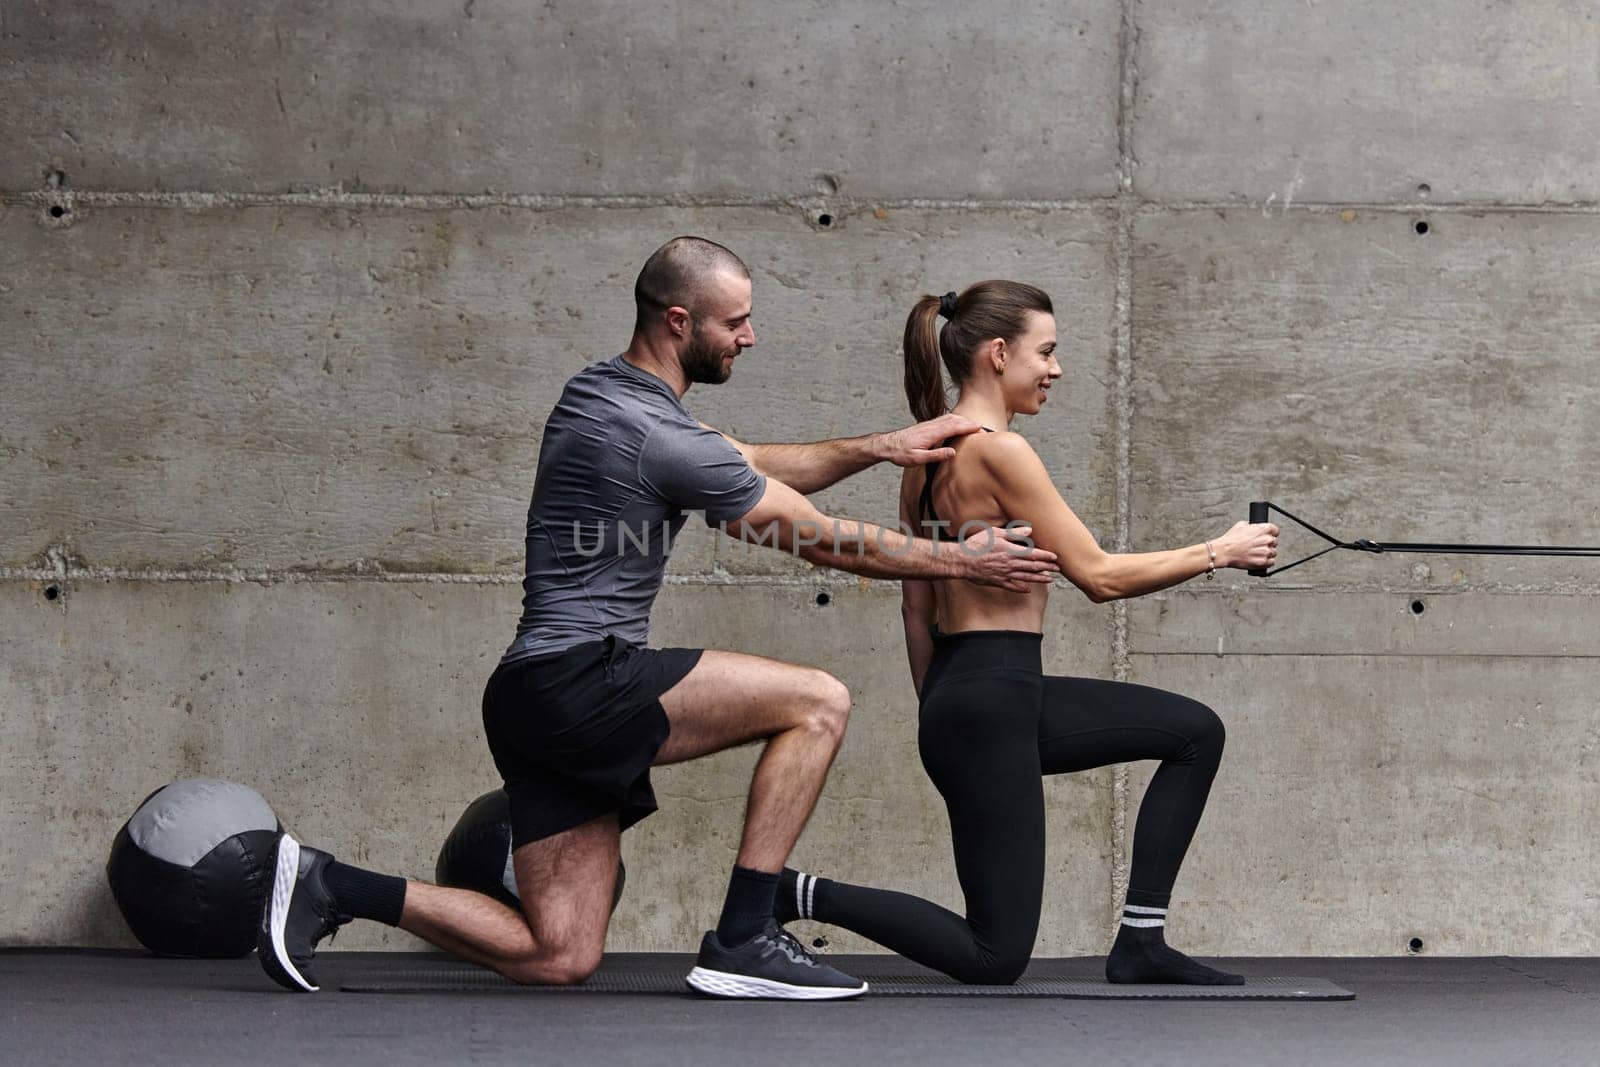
[579, 709]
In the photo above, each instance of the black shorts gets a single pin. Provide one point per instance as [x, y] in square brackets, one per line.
[574, 732]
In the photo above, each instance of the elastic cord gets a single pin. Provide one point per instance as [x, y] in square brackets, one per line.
[1365, 545]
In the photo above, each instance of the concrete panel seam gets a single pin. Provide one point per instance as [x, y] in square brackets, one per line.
[804, 205]
[1127, 199]
[1271, 208]
[358, 573]
[1455, 589]
[1313, 654]
[1127, 39]
[193, 199]
[52, 570]
[77, 572]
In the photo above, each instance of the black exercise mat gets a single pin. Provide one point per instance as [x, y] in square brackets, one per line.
[658, 981]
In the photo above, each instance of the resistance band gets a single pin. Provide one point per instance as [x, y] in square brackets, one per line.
[1260, 508]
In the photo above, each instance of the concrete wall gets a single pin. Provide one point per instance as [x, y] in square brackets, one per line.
[286, 293]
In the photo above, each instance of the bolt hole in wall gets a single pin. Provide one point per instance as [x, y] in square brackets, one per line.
[1418, 607]
[1414, 946]
[824, 220]
[52, 593]
[1421, 227]
[57, 211]
[823, 600]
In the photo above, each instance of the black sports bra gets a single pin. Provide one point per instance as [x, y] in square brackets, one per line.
[925, 510]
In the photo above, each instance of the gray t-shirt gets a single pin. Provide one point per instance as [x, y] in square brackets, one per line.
[622, 461]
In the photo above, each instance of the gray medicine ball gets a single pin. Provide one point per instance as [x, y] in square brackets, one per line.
[189, 869]
[477, 853]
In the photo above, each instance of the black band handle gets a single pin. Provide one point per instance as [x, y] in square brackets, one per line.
[1258, 513]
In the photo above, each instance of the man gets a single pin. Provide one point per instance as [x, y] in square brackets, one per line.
[579, 709]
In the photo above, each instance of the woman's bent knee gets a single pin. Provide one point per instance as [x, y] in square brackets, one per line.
[1206, 732]
[1201, 730]
[994, 970]
[1212, 730]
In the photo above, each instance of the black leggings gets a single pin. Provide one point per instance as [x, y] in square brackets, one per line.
[991, 723]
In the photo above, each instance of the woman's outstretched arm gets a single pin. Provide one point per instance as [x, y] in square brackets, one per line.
[1026, 493]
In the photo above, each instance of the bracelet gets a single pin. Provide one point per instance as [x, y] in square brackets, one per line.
[1211, 567]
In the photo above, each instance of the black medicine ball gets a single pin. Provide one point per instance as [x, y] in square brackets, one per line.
[189, 868]
[477, 853]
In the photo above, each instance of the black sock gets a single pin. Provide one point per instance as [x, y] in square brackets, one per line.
[1141, 954]
[365, 894]
[748, 907]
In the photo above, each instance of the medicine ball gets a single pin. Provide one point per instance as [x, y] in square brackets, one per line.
[189, 869]
[477, 854]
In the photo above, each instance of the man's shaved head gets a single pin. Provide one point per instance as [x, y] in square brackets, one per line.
[678, 273]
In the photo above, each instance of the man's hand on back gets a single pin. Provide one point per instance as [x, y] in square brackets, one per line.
[1007, 558]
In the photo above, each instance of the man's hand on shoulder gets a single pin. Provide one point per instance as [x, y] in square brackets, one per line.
[923, 443]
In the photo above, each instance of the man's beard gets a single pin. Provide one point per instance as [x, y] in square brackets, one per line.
[702, 361]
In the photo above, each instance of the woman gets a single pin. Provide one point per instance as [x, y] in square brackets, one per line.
[990, 722]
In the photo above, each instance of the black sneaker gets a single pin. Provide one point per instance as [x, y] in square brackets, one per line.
[771, 965]
[298, 913]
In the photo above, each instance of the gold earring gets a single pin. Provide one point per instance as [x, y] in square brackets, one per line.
[1001, 369]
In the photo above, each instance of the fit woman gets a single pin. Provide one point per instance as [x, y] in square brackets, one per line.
[990, 722]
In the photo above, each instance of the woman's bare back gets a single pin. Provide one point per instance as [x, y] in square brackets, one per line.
[963, 493]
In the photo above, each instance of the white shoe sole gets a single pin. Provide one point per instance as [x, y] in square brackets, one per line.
[283, 880]
[722, 984]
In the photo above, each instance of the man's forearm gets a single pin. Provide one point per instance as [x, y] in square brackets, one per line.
[808, 468]
[877, 552]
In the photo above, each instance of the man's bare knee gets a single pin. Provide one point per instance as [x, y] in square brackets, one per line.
[574, 966]
[830, 711]
[565, 966]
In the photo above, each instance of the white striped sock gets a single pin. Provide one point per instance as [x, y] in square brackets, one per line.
[1143, 917]
[805, 894]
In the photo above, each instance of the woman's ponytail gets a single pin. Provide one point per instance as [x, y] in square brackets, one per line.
[924, 383]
